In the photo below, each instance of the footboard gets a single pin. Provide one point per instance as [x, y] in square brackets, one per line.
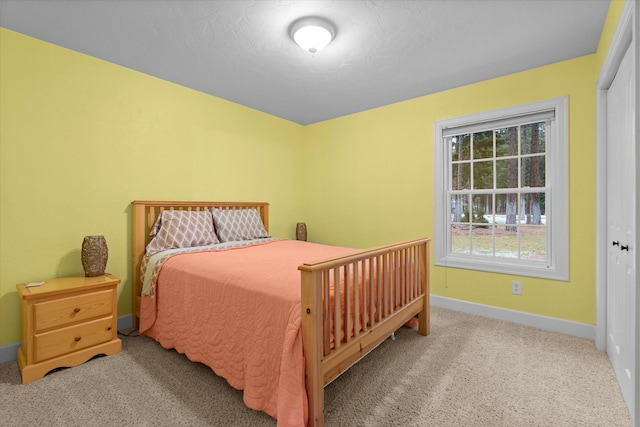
[352, 304]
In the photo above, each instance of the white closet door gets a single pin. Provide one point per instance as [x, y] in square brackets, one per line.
[621, 191]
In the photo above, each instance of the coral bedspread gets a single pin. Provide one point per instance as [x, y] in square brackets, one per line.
[238, 311]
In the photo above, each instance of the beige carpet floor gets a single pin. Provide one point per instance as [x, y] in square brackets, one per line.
[471, 371]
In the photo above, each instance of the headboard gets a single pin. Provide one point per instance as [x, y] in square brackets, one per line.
[144, 216]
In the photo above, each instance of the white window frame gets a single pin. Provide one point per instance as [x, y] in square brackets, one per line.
[557, 181]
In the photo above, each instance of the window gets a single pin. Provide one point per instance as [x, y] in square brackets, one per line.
[501, 193]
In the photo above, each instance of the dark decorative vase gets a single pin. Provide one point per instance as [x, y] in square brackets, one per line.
[94, 255]
[301, 231]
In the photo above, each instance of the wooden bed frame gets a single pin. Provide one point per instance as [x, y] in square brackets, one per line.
[401, 282]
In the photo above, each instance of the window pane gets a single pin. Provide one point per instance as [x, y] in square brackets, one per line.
[459, 205]
[483, 175]
[507, 210]
[533, 208]
[507, 173]
[482, 205]
[490, 210]
[461, 147]
[532, 138]
[460, 241]
[533, 243]
[533, 171]
[507, 142]
[482, 240]
[506, 242]
[483, 145]
[461, 176]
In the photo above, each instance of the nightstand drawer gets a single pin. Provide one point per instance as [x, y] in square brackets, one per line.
[74, 338]
[64, 311]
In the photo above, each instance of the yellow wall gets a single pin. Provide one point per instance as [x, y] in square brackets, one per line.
[613, 16]
[377, 183]
[81, 138]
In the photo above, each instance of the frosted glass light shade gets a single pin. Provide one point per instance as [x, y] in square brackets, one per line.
[312, 34]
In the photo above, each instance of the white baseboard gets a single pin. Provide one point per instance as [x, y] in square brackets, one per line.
[569, 327]
[9, 352]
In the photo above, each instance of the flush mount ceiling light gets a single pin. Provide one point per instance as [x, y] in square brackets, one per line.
[312, 33]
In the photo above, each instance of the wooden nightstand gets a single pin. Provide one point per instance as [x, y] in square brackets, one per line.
[66, 322]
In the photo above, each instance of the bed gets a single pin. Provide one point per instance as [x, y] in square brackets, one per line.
[376, 291]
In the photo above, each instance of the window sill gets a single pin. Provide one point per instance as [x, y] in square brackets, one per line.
[520, 268]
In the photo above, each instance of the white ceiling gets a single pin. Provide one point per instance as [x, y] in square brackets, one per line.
[384, 51]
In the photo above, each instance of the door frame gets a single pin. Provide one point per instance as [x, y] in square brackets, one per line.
[625, 35]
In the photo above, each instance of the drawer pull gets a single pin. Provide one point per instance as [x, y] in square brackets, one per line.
[76, 310]
[77, 339]
[109, 328]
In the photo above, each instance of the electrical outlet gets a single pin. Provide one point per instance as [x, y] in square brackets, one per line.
[516, 287]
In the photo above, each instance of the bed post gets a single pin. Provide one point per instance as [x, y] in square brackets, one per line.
[424, 323]
[312, 343]
[139, 229]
